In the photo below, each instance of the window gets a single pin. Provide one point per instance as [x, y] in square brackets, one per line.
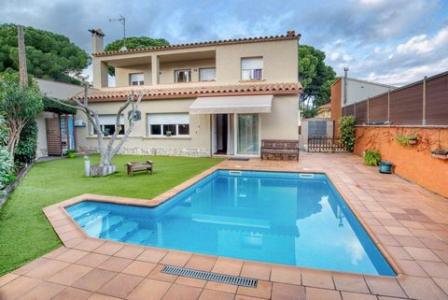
[107, 125]
[136, 79]
[182, 75]
[169, 124]
[207, 74]
[252, 68]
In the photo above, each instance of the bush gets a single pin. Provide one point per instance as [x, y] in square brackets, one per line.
[71, 154]
[26, 148]
[372, 157]
[6, 162]
[347, 129]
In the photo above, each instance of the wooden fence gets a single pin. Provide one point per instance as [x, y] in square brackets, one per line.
[324, 144]
[421, 103]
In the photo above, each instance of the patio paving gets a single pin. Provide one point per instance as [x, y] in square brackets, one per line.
[409, 224]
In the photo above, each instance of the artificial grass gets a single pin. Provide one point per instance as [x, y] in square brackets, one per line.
[25, 233]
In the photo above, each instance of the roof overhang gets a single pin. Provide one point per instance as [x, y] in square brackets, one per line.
[232, 104]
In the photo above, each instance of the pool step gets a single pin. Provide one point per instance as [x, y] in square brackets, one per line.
[103, 225]
[81, 211]
[140, 236]
[88, 218]
[120, 231]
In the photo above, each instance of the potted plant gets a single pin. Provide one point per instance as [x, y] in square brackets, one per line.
[385, 167]
[372, 157]
[407, 140]
[440, 153]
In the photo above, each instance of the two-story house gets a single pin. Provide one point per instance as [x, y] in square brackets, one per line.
[200, 99]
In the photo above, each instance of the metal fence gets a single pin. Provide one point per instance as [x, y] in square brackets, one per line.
[421, 103]
[324, 144]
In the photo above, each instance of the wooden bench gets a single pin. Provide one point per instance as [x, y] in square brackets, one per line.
[280, 149]
[135, 166]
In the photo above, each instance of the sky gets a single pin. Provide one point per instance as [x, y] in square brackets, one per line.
[388, 41]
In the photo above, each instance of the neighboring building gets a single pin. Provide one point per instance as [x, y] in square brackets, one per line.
[56, 130]
[324, 111]
[200, 99]
[357, 90]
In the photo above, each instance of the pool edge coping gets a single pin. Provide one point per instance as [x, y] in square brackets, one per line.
[72, 239]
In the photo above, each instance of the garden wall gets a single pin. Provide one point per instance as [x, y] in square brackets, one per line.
[414, 163]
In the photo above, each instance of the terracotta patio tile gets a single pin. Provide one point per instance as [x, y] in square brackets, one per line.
[398, 252]
[130, 252]
[244, 297]
[191, 281]
[121, 285]
[442, 254]
[228, 266]
[182, 292]
[390, 298]
[283, 291]
[31, 266]
[44, 291]
[422, 254]
[89, 245]
[72, 294]
[320, 294]
[412, 224]
[387, 240]
[434, 269]
[317, 279]
[257, 271]
[286, 275]
[152, 255]
[442, 283]
[149, 289]
[222, 287]
[48, 269]
[409, 241]
[384, 286]
[201, 262]
[350, 283]
[93, 280]
[215, 295]
[73, 242]
[71, 255]
[108, 248]
[116, 264]
[433, 243]
[398, 230]
[55, 252]
[421, 288]
[263, 290]
[357, 296]
[156, 274]
[70, 274]
[7, 278]
[175, 258]
[410, 267]
[139, 268]
[92, 259]
[102, 297]
[18, 287]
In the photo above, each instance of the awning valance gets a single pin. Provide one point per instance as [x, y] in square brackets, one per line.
[232, 104]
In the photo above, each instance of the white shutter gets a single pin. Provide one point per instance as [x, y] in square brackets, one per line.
[168, 119]
[207, 74]
[252, 63]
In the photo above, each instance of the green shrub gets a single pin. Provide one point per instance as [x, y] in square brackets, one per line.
[372, 157]
[6, 162]
[26, 148]
[347, 130]
[406, 140]
[71, 154]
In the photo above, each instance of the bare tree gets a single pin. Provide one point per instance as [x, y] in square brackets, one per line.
[108, 149]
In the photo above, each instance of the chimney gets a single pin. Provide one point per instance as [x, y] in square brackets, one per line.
[291, 33]
[97, 40]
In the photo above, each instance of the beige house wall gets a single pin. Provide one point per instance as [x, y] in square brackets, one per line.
[122, 74]
[281, 123]
[167, 69]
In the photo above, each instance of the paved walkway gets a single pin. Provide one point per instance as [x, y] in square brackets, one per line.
[408, 223]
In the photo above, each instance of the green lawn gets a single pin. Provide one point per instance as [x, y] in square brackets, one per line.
[24, 230]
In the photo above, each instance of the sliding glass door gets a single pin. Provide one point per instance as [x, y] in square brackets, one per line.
[248, 134]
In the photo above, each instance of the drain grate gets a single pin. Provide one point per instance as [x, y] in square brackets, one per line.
[210, 276]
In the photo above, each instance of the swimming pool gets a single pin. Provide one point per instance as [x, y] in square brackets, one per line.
[295, 219]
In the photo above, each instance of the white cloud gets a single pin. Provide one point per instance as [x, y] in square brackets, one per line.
[422, 44]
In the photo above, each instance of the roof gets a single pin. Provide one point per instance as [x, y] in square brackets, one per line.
[58, 90]
[366, 82]
[193, 92]
[290, 35]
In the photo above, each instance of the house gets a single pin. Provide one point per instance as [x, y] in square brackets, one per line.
[56, 128]
[346, 91]
[200, 99]
[324, 111]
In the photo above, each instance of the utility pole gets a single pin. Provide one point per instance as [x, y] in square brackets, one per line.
[23, 73]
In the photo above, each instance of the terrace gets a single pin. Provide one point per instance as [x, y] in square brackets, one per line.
[407, 223]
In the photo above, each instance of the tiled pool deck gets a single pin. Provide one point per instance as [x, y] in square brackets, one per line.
[408, 223]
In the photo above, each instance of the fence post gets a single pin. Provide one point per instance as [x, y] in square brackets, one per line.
[388, 106]
[424, 102]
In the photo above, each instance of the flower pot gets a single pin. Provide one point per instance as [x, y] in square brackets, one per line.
[413, 142]
[385, 167]
[440, 154]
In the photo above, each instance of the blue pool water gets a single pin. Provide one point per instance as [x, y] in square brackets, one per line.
[285, 218]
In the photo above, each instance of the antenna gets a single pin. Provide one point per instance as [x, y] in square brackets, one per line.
[122, 20]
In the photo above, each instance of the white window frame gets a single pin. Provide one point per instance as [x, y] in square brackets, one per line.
[167, 119]
[207, 68]
[250, 65]
[111, 121]
[139, 82]
[182, 70]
